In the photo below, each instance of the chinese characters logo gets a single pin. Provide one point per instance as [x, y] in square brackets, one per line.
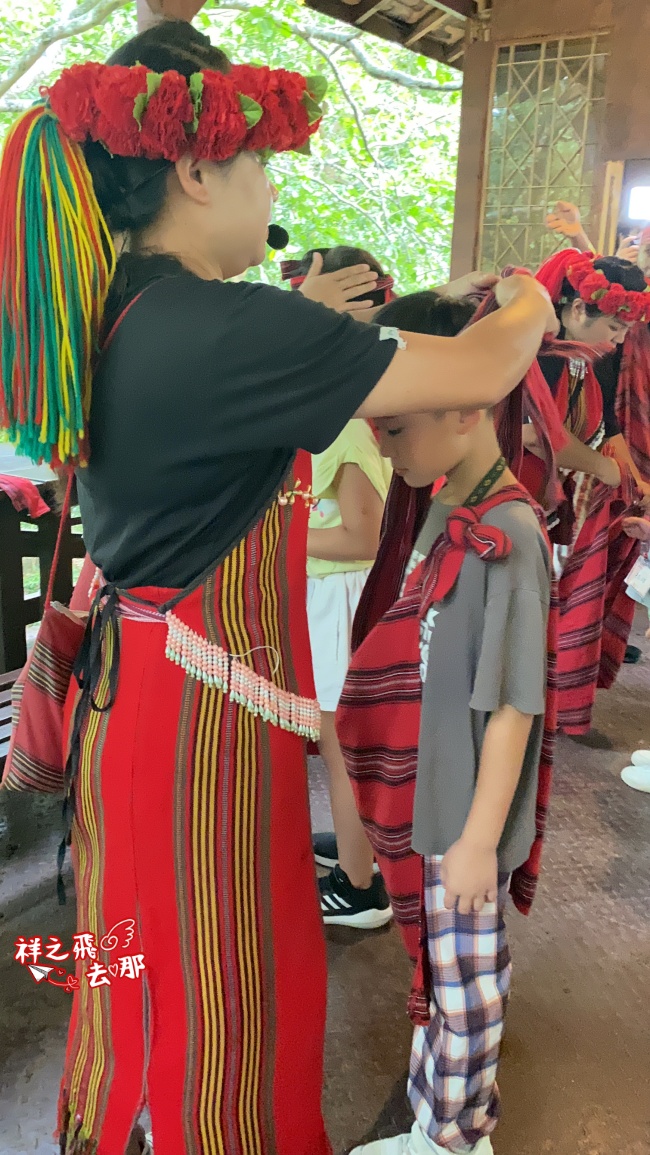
[95, 962]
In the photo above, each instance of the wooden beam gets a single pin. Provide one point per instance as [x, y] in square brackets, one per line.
[462, 9]
[456, 54]
[427, 24]
[380, 25]
[365, 10]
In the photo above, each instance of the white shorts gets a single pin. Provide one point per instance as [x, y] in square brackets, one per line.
[331, 605]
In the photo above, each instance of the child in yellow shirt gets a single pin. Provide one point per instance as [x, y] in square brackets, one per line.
[350, 482]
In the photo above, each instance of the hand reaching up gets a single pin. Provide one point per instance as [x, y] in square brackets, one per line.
[628, 250]
[565, 220]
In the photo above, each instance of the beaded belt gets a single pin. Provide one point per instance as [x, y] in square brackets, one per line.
[210, 663]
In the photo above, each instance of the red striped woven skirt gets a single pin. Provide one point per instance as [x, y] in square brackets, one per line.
[595, 613]
[192, 831]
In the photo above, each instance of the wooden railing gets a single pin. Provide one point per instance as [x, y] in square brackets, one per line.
[24, 537]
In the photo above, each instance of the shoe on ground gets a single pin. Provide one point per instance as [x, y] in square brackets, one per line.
[632, 655]
[343, 904]
[326, 851]
[640, 758]
[638, 777]
[415, 1143]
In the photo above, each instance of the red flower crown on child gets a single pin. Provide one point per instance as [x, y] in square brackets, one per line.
[627, 305]
[135, 112]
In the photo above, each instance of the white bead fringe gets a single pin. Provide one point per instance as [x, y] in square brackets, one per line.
[214, 666]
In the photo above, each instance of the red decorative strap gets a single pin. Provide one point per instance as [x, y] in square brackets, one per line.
[466, 532]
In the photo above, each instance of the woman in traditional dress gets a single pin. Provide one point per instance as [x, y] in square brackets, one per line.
[598, 300]
[201, 958]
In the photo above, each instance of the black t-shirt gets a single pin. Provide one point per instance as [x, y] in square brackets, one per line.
[199, 404]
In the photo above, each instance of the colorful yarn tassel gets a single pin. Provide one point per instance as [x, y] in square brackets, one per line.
[57, 260]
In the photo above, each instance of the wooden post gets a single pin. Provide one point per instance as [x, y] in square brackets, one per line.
[474, 124]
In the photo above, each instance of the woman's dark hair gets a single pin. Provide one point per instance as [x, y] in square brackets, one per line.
[131, 190]
[618, 272]
[343, 257]
[427, 312]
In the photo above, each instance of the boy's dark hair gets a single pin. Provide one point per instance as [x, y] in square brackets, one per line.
[618, 272]
[427, 312]
[343, 257]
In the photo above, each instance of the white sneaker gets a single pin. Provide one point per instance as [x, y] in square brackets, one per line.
[638, 777]
[416, 1143]
[640, 758]
[398, 1145]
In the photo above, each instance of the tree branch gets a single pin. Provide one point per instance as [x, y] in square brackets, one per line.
[329, 57]
[88, 14]
[347, 96]
[348, 40]
[333, 192]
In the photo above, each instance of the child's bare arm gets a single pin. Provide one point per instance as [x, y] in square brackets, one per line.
[578, 456]
[469, 868]
[357, 538]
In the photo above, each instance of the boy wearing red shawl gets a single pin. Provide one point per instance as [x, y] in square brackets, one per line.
[442, 721]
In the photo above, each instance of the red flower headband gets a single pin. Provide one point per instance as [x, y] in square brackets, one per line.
[162, 116]
[591, 284]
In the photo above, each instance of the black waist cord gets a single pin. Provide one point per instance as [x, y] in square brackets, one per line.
[102, 631]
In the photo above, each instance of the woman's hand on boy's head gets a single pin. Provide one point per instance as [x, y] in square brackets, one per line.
[338, 290]
[470, 875]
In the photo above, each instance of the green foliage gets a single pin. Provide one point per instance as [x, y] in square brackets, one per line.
[381, 173]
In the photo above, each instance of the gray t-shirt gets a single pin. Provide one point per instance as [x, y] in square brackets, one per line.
[491, 633]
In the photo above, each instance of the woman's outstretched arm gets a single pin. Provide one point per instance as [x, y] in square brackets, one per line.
[478, 368]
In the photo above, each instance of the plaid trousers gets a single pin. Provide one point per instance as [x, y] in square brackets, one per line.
[452, 1081]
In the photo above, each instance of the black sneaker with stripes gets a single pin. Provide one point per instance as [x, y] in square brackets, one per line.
[343, 904]
[326, 851]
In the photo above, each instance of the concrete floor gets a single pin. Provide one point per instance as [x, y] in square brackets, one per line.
[575, 1074]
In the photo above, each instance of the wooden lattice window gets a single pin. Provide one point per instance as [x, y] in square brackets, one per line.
[547, 109]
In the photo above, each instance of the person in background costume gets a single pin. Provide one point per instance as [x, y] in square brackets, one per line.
[443, 697]
[597, 301]
[189, 407]
[623, 374]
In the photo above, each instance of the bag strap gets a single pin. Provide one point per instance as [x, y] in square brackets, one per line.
[63, 521]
